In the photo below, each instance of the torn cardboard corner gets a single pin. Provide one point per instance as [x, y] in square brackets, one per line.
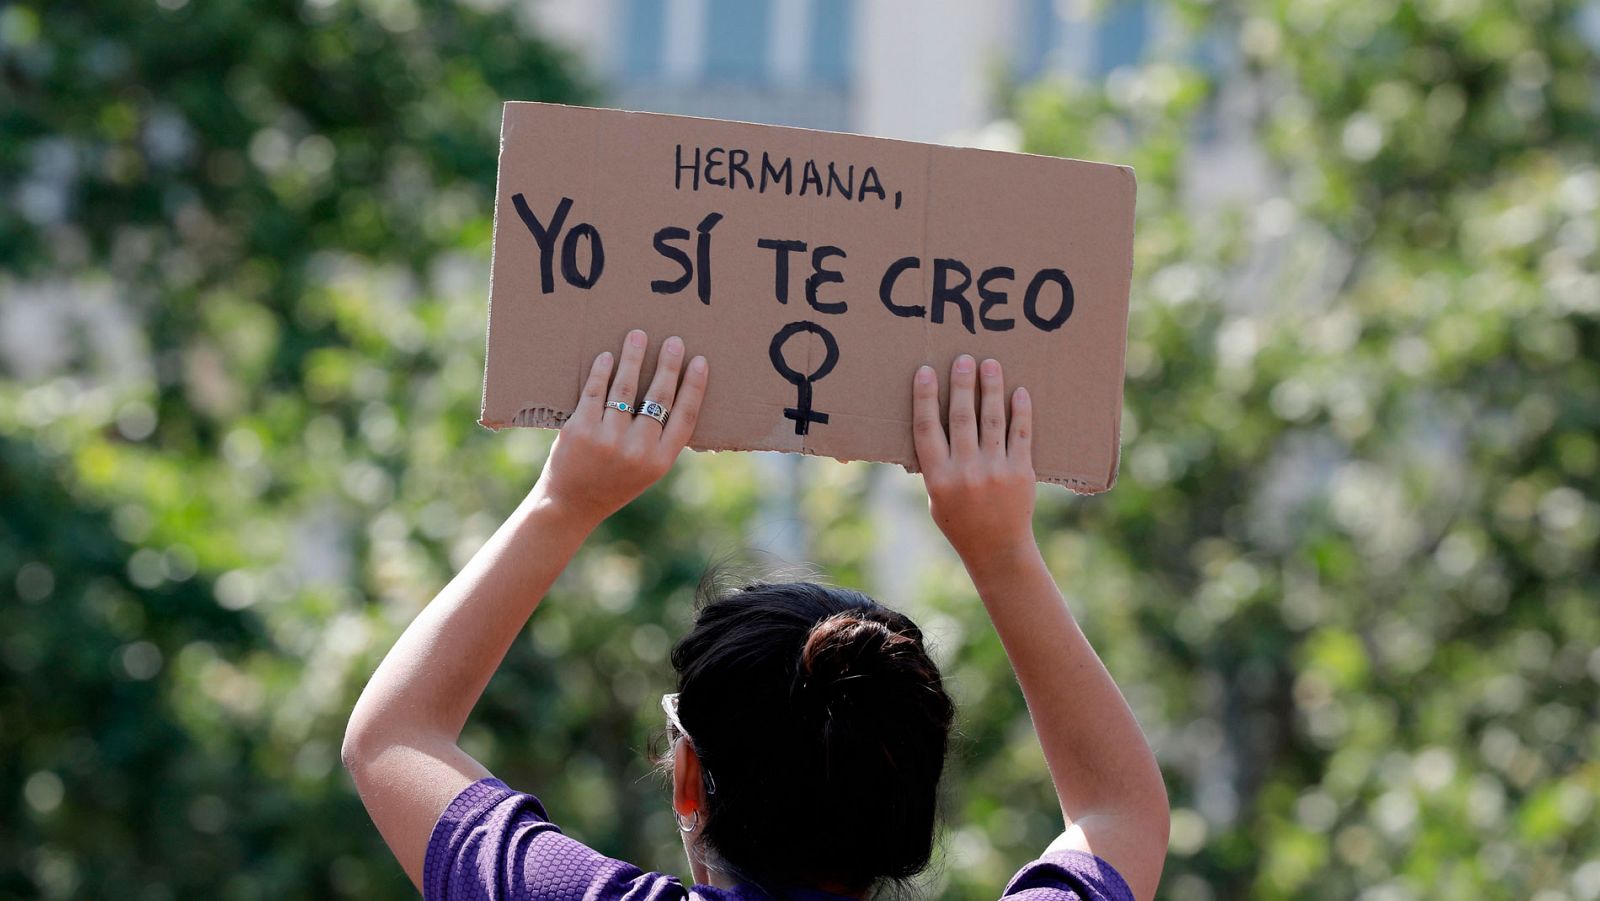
[815, 271]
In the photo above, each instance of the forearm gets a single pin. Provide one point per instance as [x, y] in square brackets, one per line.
[980, 481]
[1098, 758]
[435, 673]
[400, 746]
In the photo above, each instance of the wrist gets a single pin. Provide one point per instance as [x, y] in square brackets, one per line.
[1000, 558]
[560, 511]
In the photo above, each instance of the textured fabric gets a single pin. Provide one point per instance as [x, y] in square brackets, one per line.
[495, 844]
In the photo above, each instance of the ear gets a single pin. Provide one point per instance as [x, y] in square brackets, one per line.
[688, 782]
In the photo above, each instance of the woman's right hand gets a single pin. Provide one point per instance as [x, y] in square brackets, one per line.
[979, 474]
[603, 458]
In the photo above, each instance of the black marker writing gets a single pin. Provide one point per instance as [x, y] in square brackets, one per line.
[569, 256]
[992, 298]
[1030, 300]
[951, 280]
[946, 293]
[802, 413]
[780, 264]
[886, 289]
[673, 286]
[822, 276]
[736, 168]
[701, 267]
[702, 256]
[545, 237]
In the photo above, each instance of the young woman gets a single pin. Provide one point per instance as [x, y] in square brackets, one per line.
[809, 726]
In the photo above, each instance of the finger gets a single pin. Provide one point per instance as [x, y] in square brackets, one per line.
[963, 419]
[686, 411]
[592, 399]
[664, 386]
[1020, 446]
[626, 384]
[992, 408]
[927, 432]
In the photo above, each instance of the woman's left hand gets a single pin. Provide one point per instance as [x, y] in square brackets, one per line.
[604, 457]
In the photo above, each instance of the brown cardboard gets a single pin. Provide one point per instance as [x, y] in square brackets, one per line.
[983, 208]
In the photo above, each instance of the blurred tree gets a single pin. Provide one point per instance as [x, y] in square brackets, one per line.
[250, 238]
[1353, 554]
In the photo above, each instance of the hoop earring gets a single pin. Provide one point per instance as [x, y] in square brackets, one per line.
[693, 824]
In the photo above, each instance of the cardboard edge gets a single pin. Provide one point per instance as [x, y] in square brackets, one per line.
[550, 418]
[546, 417]
[928, 144]
[1132, 178]
[1076, 486]
[494, 232]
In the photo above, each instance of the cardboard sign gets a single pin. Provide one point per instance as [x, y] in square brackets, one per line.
[815, 271]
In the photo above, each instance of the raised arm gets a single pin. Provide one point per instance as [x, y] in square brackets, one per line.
[400, 745]
[980, 482]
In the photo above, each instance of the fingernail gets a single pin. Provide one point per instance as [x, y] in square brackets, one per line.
[1022, 394]
[964, 363]
[605, 356]
[637, 338]
[990, 367]
[925, 374]
[698, 364]
[673, 345]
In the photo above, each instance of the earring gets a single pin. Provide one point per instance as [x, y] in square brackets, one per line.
[693, 824]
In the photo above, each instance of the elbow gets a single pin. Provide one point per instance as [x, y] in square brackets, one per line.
[350, 749]
[1161, 824]
[1159, 811]
[369, 739]
[356, 749]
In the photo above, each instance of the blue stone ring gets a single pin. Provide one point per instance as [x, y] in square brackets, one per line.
[655, 411]
[621, 406]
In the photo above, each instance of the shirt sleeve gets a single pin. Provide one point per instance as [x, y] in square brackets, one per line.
[495, 844]
[1068, 876]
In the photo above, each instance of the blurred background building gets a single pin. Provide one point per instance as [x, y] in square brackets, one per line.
[920, 70]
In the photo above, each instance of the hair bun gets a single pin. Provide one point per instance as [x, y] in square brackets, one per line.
[847, 646]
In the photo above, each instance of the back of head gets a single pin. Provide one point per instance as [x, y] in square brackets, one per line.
[824, 725]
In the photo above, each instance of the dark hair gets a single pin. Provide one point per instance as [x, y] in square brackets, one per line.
[824, 725]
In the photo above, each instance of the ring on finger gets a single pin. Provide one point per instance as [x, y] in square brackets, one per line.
[621, 406]
[653, 410]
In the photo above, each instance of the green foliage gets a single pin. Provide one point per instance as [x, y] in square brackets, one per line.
[1348, 578]
[254, 459]
[1352, 559]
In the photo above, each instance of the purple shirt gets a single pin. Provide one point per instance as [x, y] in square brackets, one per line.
[495, 844]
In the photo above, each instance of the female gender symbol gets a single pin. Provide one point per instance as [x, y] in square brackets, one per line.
[801, 412]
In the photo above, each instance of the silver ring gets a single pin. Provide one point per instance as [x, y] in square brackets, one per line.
[654, 410]
[621, 406]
